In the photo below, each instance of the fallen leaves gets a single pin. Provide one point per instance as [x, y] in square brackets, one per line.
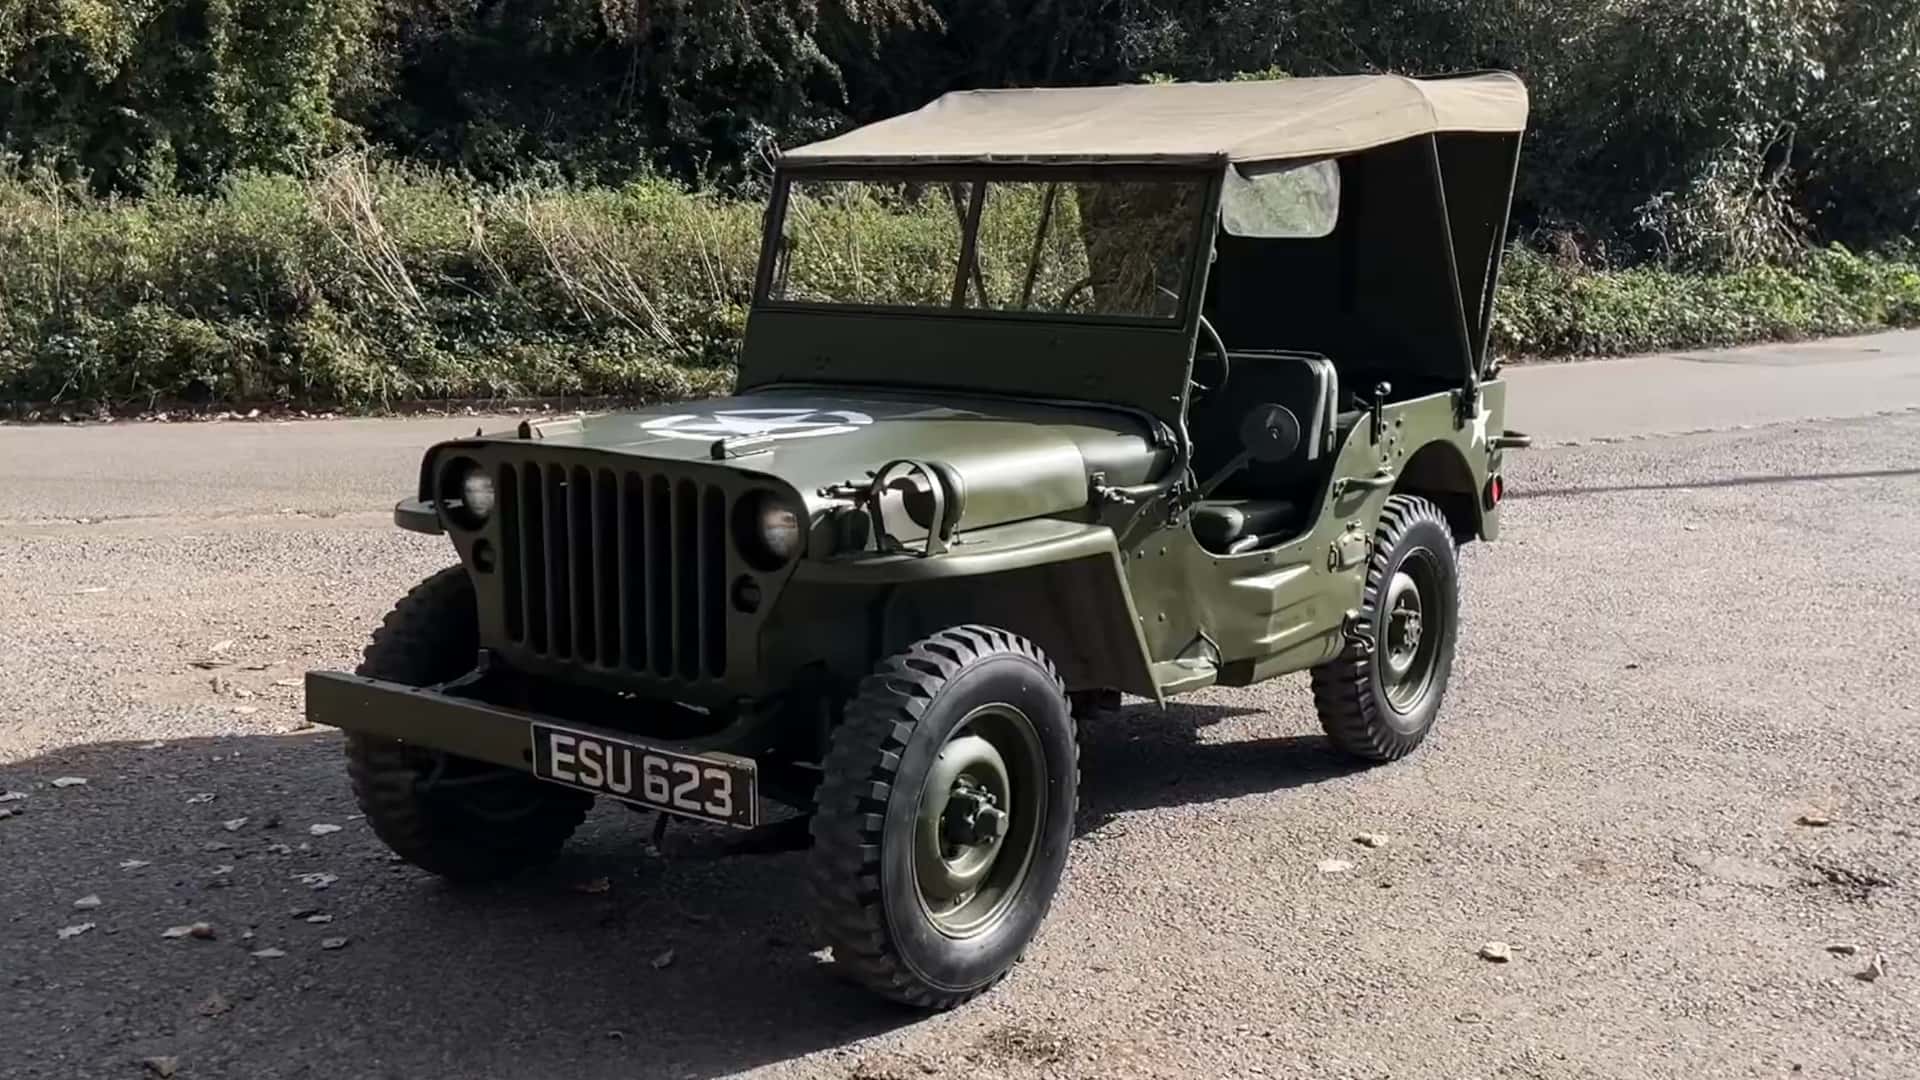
[1876, 968]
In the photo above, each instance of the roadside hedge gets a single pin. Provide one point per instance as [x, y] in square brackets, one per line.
[361, 288]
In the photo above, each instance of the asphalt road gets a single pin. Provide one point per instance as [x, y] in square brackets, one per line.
[1685, 645]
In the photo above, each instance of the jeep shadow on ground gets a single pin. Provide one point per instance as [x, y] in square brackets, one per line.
[615, 961]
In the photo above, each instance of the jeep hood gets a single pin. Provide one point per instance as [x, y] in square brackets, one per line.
[1017, 460]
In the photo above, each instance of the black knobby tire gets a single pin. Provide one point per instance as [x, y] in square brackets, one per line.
[869, 899]
[464, 820]
[1367, 706]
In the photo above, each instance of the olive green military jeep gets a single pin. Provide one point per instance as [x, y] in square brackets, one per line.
[1046, 397]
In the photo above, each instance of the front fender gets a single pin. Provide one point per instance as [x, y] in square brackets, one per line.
[1057, 583]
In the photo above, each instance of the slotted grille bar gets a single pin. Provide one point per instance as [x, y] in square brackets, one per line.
[614, 569]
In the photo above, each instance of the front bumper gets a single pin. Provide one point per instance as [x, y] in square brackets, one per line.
[423, 717]
[439, 720]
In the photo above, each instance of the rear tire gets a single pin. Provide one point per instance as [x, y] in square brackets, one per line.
[465, 820]
[944, 817]
[1379, 699]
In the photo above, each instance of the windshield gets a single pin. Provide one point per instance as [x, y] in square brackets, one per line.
[1102, 248]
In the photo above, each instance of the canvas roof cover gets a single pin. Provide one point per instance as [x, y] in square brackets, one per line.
[1168, 122]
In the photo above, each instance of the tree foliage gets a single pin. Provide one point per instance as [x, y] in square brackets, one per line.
[1706, 133]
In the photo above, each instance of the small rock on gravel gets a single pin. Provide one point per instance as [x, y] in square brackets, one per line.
[322, 829]
[333, 943]
[1334, 866]
[86, 903]
[267, 954]
[1842, 948]
[1372, 839]
[316, 881]
[1496, 952]
[1875, 968]
[162, 1067]
[215, 1004]
[70, 781]
[1815, 821]
[319, 920]
[12, 796]
[201, 930]
[6, 811]
[134, 864]
[75, 930]
[234, 824]
[200, 797]
[664, 960]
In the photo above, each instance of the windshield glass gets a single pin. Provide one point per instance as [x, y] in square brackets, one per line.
[1101, 248]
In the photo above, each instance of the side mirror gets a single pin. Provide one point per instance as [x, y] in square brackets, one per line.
[1270, 433]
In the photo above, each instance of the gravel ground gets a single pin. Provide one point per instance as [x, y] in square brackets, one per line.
[1684, 647]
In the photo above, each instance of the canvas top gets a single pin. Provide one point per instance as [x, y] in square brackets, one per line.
[1274, 120]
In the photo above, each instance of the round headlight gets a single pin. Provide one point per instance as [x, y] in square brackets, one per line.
[476, 492]
[769, 530]
[466, 493]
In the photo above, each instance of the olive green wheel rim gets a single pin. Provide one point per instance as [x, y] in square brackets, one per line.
[979, 819]
[1411, 630]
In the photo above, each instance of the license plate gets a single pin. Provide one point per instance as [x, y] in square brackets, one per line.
[716, 788]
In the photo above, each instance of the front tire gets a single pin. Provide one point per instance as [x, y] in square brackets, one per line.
[465, 820]
[1380, 698]
[944, 816]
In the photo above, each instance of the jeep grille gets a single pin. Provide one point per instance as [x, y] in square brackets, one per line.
[614, 568]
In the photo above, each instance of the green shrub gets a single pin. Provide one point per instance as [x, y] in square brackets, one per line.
[360, 287]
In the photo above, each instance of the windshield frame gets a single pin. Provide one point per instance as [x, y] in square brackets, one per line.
[1206, 176]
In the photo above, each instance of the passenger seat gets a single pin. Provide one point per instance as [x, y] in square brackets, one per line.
[1263, 502]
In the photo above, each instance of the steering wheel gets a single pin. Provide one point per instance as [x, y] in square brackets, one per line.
[1219, 349]
[1078, 289]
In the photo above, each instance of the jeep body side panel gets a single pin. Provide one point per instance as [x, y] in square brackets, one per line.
[1239, 619]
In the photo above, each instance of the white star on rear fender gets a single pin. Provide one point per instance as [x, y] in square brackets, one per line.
[1480, 418]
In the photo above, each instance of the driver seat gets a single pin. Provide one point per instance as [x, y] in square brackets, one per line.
[1263, 501]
